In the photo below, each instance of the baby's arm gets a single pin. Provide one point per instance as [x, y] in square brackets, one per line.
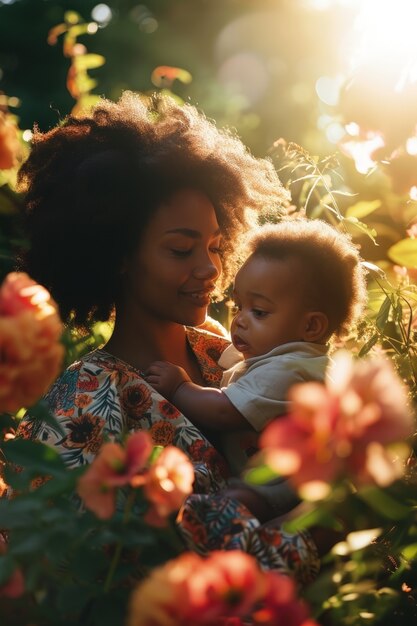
[204, 406]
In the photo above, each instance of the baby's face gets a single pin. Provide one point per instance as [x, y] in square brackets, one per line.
[269, 305]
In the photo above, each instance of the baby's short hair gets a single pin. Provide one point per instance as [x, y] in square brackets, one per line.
[333, 276]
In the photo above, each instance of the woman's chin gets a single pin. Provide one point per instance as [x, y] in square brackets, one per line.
[196, 319]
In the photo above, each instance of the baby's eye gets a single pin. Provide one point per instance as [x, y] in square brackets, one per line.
[259, 314]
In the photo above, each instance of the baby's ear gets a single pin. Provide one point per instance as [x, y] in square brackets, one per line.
[316, 326]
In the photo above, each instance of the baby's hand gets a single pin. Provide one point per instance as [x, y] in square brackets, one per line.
[166, 378]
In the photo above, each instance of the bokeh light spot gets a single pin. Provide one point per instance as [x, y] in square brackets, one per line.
[102, 14]
[411, 146]
[245, 73]
[335, 132]
[328, 89]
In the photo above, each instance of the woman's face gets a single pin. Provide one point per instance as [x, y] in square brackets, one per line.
[172, 273]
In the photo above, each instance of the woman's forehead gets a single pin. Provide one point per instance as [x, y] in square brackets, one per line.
[188, 211]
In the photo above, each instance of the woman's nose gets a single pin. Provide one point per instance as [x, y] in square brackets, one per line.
[207, 269]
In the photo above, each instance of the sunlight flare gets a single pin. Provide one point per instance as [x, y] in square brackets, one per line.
[386, 40]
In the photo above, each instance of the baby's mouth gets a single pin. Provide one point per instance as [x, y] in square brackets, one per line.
[239, 344]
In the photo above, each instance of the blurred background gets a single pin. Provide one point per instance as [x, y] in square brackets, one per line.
[270, 68]
[330, 75]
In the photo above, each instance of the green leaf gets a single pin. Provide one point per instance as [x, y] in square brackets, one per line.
[34, 455]
[6, 568]
[89, 61]
[352, 224]
[317, 517]
[72, 598]
[110, 610]
[72, 17]
[29, 543]
[20, 512]
[404, 252]
[383, 313]
[371, 267]
[40, 411]
[260, 475]
[384, 504]
[410, 551]
[369, 344]
[363, 208]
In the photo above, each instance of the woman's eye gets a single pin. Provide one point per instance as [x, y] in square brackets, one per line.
[215, 249]
[181, 253]
[235, 309]
[259, 314]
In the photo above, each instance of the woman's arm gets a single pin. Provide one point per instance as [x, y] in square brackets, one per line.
[204, 406]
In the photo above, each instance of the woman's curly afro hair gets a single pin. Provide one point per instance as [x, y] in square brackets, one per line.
[92, 183]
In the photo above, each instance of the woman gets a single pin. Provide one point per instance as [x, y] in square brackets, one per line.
[139, 208]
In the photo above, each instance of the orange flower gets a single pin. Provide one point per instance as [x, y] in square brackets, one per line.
[113, 467]
[30, 350]
[14, 587]
[168, 410]
[85, 431]
[82, 400]
[162, 433]
[162, 599]
[233, 584]
[280, 606]
[168, 482]
[136, 399]
[10, 148]
[3, 485]
[342, 427]
[215, 591]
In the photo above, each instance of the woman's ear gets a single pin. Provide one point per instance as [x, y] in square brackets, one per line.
[316, 326]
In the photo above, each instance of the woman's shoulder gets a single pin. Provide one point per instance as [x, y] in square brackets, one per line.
[208, 348]
[85, 378]
[207, 342]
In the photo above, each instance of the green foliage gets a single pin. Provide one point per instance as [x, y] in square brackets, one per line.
[74, 564]
[80, 570]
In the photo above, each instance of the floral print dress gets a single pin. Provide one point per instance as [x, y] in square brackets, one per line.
[101, 397]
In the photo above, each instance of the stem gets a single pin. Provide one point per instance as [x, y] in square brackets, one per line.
[119, 547]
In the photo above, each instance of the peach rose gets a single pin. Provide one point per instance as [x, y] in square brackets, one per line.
[167, 483]
[344, 427]
[14, 587]
[215, 591]
[10, 148]
[30, 350]
[113, 467]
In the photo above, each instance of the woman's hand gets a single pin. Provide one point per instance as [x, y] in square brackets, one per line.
[166, 378]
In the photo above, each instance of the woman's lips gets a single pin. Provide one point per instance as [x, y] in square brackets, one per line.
[200, 297]
[239, 344]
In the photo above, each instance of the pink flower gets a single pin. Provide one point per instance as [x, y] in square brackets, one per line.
[343, 427]
[224, 589]
[168, 482]
[113, 467]
[30, 350]
[15, 585]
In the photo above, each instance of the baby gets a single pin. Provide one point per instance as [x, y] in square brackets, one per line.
[302, 285]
